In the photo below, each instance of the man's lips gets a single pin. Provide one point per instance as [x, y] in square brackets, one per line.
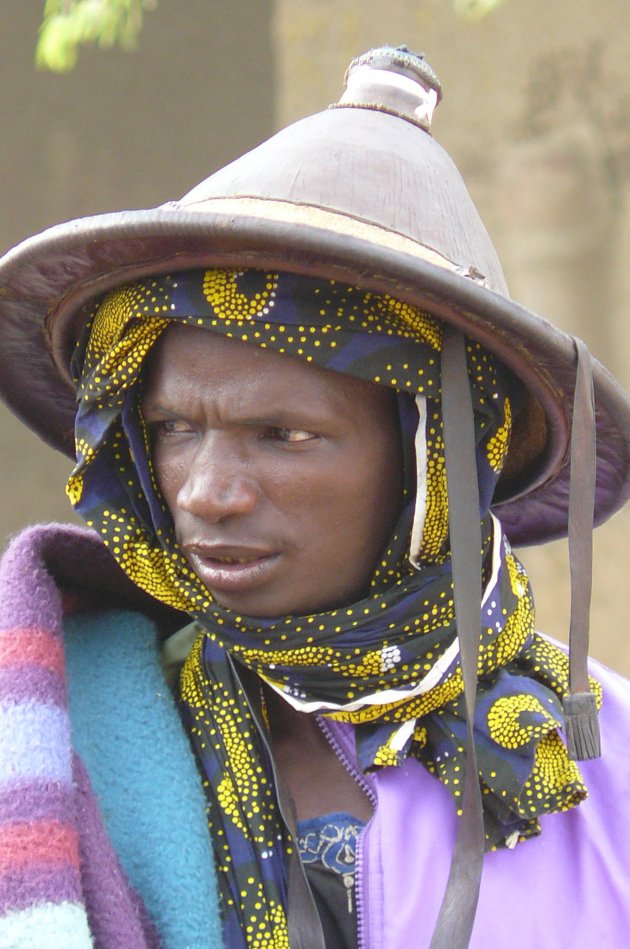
[229, 568]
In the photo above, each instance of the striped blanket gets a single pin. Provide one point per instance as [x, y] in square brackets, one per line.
[62, 882]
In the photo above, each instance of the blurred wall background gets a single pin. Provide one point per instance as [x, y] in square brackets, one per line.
[535, 114]
[122, 130]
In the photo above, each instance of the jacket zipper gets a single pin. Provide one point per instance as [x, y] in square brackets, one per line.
[368, 790]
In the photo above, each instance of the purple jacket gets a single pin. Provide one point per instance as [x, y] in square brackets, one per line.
[568, 887]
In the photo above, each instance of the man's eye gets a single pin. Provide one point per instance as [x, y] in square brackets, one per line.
[170, 426]
[291, 435]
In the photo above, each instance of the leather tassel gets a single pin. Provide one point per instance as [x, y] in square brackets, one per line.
[580, 709]
[582, 726]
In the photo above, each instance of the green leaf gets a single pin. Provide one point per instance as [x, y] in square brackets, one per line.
[56, 48]
[69, 24]
[475, 9]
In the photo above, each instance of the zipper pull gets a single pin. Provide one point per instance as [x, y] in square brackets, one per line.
[348, 882]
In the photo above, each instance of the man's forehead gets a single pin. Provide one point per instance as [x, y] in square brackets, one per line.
[192, 360]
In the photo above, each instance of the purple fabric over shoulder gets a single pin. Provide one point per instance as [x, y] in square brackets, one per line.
[115, 911]
[25, 887]
[35, 684]
[36, 800]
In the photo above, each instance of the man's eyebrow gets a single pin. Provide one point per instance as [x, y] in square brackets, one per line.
[154, 404]
[283, 416]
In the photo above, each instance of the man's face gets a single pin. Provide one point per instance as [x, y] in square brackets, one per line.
[283, 480]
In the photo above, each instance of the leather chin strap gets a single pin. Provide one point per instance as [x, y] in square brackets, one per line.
[303, 922]
[580, 711]
[457, 913]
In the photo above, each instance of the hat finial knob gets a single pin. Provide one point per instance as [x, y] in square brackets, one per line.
[393, 79]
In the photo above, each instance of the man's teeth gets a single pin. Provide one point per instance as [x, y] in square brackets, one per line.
[235, 559]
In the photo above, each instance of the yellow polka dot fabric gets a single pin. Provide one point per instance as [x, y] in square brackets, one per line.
[388, 664]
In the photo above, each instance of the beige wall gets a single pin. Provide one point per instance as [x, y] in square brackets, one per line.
[535, 114]
[120, 131]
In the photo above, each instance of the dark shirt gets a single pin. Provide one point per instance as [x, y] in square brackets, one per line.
[328, 850]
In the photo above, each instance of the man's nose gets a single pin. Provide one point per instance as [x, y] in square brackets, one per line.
[220, 482]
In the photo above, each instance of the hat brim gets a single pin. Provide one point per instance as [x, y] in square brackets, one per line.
[48, 285]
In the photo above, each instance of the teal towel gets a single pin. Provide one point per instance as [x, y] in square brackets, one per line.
[128, 732]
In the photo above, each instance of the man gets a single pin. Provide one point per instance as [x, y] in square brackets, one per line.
[298, 390]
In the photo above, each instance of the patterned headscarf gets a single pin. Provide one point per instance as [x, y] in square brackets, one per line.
[389, 663]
